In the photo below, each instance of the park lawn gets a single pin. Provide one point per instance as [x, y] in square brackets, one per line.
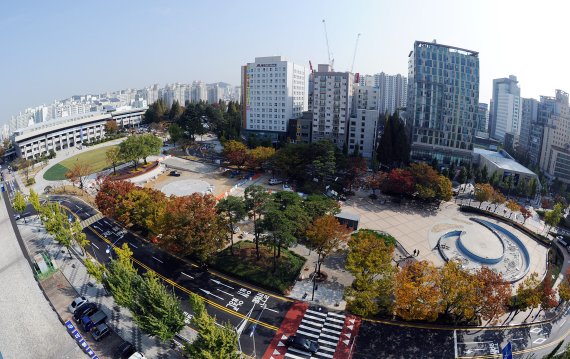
[244, 266]
[95, 158]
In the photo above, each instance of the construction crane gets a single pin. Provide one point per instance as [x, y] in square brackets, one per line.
[354, 55]
[331, 61]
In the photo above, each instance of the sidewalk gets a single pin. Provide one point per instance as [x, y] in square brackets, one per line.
[73, 281]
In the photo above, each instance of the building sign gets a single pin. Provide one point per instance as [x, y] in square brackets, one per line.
[266, 65]
[79, 339]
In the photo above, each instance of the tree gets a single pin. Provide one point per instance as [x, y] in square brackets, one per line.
[258, 156]
[109, 198]
[443, 189]
[122, 278]
[155, 112]
[547, 294]
[190, 226]
[280, 231]
[235, 152]
[513, 206]
[95, 270]
[256, 198]
[142, 208]
[417, 293]
[233, 210]
[113, 157]
[151, 145]
[494, 294]
[528, 294]
[325, 235]
[552, 218]
[132, 149]
[393, 146]
[497, 199]
[78, 172]
[369, 260]
[375, 181]
[175, 111]
[356, 169]
[399, 181]
[78, 236]
[459, 291]
[213, 341]
[175, 132]
[317, 205]
[483, 192]
[525, 213]
[34, 200]
[111, 127]
[485, 175]
[19, 203]
[156, 310]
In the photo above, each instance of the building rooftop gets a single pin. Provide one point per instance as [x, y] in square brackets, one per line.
[503, 160]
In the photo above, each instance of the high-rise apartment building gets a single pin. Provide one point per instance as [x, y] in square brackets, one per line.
[332, 104]
[366, 80]
[443, 102]
[273, 91]
[483, 118]
[393, 92]
[529, 117]
[506, 115]
[555, 154]
[363, 126]
[198, 92]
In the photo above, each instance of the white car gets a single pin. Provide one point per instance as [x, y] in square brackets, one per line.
[287, 188]
[77, 302]
[273, 181]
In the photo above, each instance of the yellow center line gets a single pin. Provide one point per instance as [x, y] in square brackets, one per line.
[174, 284]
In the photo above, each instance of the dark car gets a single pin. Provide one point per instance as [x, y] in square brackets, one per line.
[303, 343]
[174, 173]
[88, 322]
[85, 309]
[125, 350]
[100, 331]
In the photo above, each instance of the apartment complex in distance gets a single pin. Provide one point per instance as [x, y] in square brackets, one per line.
[443, 102]
[554, 113]
[506, 111]
[273, 91]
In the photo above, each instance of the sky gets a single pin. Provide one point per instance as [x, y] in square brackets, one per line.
[52, 50]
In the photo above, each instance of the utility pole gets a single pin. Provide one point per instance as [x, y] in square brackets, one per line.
[314, 282]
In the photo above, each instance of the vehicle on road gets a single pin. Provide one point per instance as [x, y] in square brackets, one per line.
[287, 188]
[100, 332]
[128, 351]
[174, 173]
[303, 343]
[17, 216]
[85, 309]
[88, 322]
[273, 181]
[77, 302]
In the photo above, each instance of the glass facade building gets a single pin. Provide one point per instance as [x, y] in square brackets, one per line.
[443, 102]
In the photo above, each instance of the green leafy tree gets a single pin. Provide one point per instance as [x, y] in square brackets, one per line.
[156, 310]
[213, 341]
[34, 199]
[19, 203]
[132, 150]
[552, 218]
[151, 145]
[528, 294]
[325, 235]
[175, 132]
[256, 198]
[79, 236]
[280, 231]
[175, 111]
[113, 157]
[122, 278]
[317, 205]
[95, 269]
[485, 175]
[233, 210]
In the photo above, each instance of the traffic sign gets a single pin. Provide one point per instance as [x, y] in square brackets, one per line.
[508, 351]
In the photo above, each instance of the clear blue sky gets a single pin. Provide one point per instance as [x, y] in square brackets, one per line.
[55, 49]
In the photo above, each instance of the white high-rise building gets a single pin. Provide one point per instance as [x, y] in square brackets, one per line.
[366, 80]
[273, 91]
[506, 111]
[332, 104]
[363, 127]
[199, 92]
[393, 91]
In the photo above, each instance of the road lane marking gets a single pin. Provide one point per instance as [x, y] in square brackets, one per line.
[157, 259]
[539, 341]
[307, 334]
[328, 336]
[328, 349]
[219, 290]
[94, 245]
[327, 324]
[327, 342]
[212, 294]
[564, 321]
[315, 318]
[315, 312]
[289, 355]
[331, 331]
[336, 320]
[337, 315]
[311, 322]
[187, 275]
[272, 310]
[132, 245]
[220, 283]
[326, 355]
[309, 328]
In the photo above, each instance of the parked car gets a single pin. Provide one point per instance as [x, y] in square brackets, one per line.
[100, 332]
[174, 173]
[303, 343]
[77, 302]
[88, 322]
[128, 351]
[85, 309]
[287, 188]
[273, 181]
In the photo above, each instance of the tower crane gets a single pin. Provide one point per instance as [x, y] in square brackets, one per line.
[331, 61]
[354, 55]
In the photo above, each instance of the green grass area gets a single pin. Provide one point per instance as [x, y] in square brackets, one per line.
[244, 265]
[95, 158]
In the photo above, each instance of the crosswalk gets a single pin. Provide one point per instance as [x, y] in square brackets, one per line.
[89, 221]
[323, 327]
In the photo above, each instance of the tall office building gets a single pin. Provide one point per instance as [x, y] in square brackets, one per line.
[529, 117]
[483, 118]
[273, 91]
[393, 92]
[555, 154]
[332, 104]
[443, 102]
[506, 115]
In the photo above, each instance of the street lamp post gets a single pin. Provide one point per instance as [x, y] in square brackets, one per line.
[314, 282]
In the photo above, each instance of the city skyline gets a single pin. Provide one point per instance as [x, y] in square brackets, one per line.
[74, 48]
